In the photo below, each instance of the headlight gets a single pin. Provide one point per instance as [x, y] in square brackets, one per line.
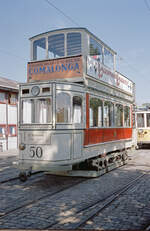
[22, 146]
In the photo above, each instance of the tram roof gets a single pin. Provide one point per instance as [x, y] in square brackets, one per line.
[73, 28]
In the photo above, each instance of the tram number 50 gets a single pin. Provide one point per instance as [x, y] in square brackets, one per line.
[36, 151]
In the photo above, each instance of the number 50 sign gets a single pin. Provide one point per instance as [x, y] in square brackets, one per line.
[36, 152]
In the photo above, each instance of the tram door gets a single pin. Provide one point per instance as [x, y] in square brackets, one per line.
[69, 121]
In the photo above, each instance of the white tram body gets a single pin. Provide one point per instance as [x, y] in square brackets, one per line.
[75, 109]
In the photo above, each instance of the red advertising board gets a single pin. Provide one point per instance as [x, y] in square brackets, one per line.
[63, 68]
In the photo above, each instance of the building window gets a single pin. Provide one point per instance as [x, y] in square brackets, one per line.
[13, 98]
[2, 97]
[77, 109]
[63, 108]
[96, 112]
[2, 131]
[12, 130]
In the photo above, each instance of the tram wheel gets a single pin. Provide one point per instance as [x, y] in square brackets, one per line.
[23, 176]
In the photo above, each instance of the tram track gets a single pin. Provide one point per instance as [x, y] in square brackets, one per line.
[17, 178]
[83, 215]
[40, 198]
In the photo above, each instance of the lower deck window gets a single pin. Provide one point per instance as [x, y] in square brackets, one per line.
[126, 116]
[63, 108]
[37, 111]
[140, 120]
[77, 110]
[96, 112]
[148, 119]
[119, 115]
[108, 114]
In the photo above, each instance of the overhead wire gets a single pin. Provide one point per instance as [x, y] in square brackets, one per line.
[74, 22]
[60, 11]
[11, 54]
[147, 5]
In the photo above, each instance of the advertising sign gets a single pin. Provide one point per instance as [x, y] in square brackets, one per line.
[103, 73]
[55, 69]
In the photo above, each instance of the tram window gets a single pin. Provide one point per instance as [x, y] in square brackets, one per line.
[108, 59]
[39, 49]
[96, 112]
[140, 120]
[108, 114]
[45, 89]
[73, 44]
[37, 111]
[56, 46]
[63, 108]
[148, 119]
[27, 106]
[96, 50]
[77, 109]
[43, 111]
[119, 115]
[126, 116]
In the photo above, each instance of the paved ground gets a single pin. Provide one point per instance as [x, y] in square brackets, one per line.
[62, 202]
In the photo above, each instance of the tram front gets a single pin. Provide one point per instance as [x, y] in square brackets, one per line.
[51, 126]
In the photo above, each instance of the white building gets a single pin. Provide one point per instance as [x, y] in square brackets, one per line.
[8, 114]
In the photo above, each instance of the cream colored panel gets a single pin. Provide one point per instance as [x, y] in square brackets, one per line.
[12, 114]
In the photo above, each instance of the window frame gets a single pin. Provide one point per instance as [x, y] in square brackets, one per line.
[34, 53]
[33, 116]
[5, 97]
[101, 121]
[9, 126]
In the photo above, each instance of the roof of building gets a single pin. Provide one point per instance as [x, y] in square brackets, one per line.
[8, 84]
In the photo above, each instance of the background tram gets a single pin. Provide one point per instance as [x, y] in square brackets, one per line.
[75, 109]
[143, 126]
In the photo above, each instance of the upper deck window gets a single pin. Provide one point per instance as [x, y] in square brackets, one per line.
[73, 44]
[39, 49]
[108, 59]
[56, 46]
[96, 50]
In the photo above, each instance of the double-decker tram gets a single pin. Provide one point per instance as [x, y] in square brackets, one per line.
[142, 118]
[75, 109]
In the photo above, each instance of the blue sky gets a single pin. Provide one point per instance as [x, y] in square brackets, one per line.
[124, 25]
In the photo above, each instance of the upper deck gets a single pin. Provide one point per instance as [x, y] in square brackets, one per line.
[76, 55]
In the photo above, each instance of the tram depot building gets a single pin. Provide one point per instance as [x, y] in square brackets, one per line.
[8, 114]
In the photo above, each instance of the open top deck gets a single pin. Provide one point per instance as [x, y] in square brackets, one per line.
[75, 55]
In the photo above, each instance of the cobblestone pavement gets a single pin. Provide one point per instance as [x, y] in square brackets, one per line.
[65, 208]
